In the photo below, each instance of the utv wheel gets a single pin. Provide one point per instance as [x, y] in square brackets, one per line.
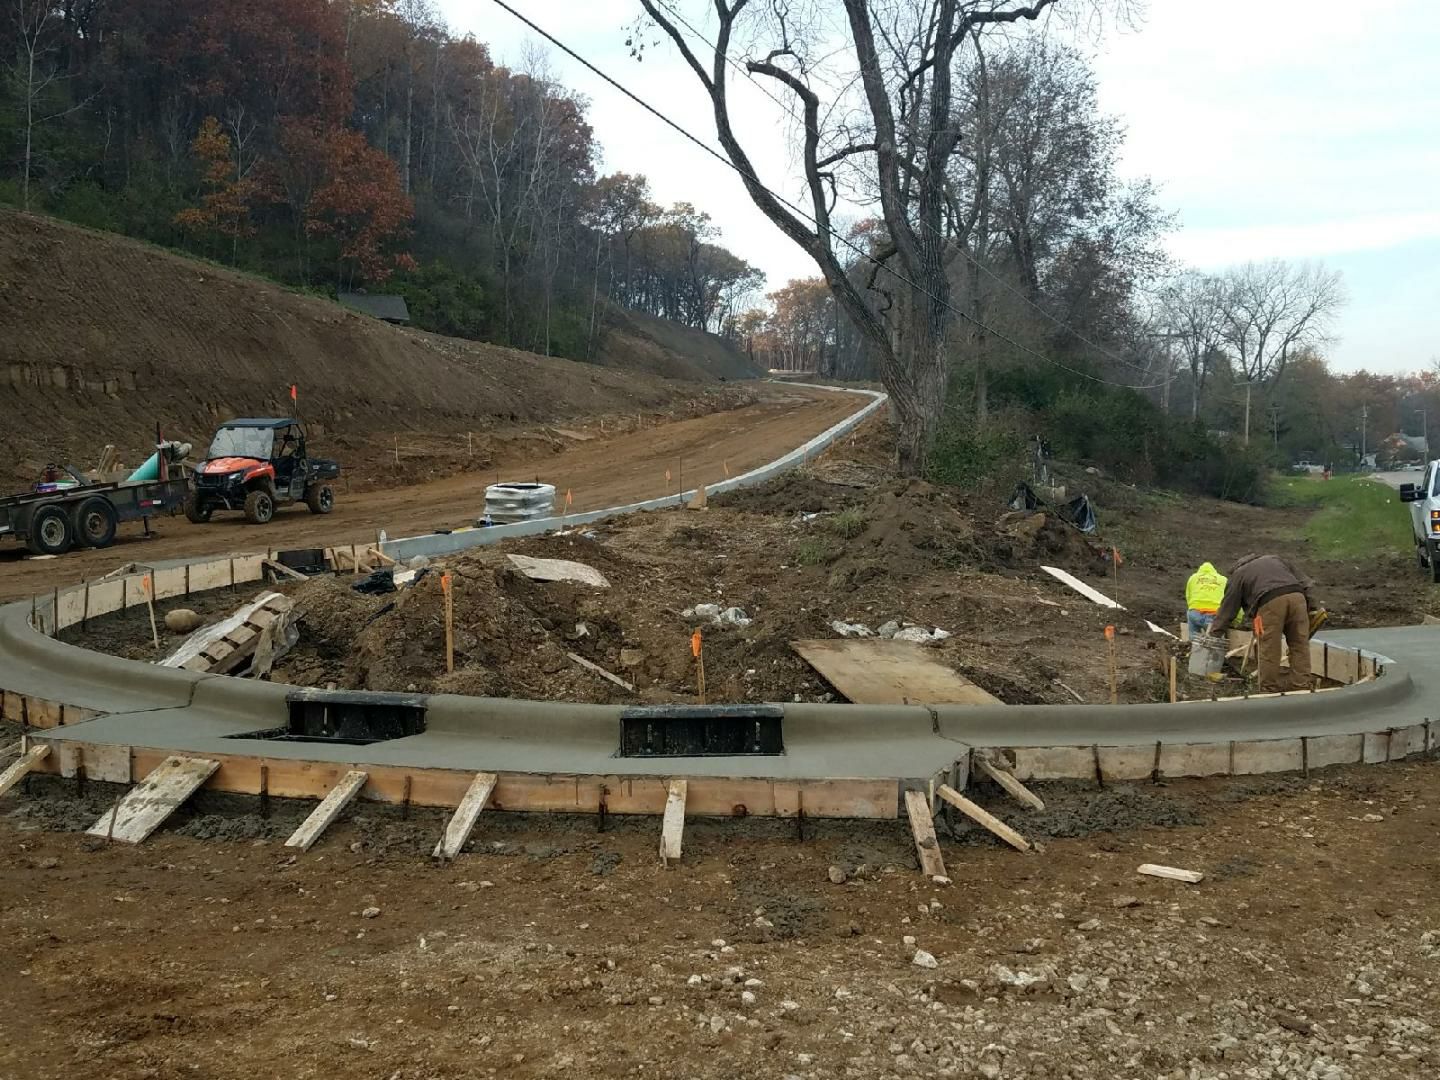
[259, 507]
[94, 523]
[197, 511]
[51, 532]
[320, 498]
[1435, 570]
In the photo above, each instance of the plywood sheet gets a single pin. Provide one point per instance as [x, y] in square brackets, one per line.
[871, 672]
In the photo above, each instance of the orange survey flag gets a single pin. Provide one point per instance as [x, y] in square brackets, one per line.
[696, 643]
[1109, 633]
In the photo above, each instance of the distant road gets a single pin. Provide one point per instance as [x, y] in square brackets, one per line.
[1404, 476]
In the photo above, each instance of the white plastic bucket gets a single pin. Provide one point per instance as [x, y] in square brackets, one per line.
[1207, 656]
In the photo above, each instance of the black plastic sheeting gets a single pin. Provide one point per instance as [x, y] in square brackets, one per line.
[1078, 511]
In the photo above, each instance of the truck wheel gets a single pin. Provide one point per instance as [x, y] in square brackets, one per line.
[1435, 570]
[197, 511]
[50, 531]
[95, 522]
[320, 498]
[259, 507]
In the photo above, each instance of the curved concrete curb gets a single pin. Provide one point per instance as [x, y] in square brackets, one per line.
[435, 544]
[116, 719]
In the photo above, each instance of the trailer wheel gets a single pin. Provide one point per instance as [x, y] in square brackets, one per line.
[197, 511]
[50, 531]
[95, 522]
[320, 498]
[259, 507]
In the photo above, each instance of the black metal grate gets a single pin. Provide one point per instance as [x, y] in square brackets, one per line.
[354, 719]
[701, 731]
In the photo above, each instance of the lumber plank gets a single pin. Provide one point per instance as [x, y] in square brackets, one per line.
[981, 816]
[673, 824]
[870, 671]
[22, 766]
[922, 828]
[1014, 788]
[1171, 873]
[145, 806]
[462, 822]
[1095, 596]
[281, 570]
[336, 799]
[598, 670]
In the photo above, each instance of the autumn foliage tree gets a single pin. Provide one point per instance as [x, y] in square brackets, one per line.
[361, 204]
[224, 208]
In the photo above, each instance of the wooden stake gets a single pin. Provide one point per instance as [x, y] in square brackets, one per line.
[336, 799]
[397, 449]
[1174, 695]
[449, 623]
[697, 650]
[149, 588]
[1110, 642]
[981, 816]
[1190, 877]
[462, 822]
[673, 822]
[1017, 791]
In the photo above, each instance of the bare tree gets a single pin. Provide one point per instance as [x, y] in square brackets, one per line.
[1272, 309]
[34, 71]
[898, 134]
[1191, 318]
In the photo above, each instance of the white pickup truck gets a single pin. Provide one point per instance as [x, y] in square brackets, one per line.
[1424, 500]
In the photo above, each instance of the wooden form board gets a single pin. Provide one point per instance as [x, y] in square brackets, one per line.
[922, 828]
[462, 822]
[336, 799]
[22, 766]
[876, 672]
[707, 796]
[673, 823]
[141, 811]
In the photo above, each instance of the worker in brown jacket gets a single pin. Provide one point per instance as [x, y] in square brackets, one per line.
[1278, 601]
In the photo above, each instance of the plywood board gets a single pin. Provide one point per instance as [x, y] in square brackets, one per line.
[155, 798]
[169, 583]
[107, 763]
[462, 822]
[558, 570]
[336, 799]
[922, 828]
[209, 575]
[70, 607]
[872, 672]
[105, 597]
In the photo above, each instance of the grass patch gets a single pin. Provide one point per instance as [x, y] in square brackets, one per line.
[1354, 516]
[817, 551]
[848, 524]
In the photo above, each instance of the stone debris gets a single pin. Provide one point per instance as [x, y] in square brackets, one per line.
[924, 959]
[849, 629]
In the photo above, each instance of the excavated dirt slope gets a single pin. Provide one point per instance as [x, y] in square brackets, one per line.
[101, 336]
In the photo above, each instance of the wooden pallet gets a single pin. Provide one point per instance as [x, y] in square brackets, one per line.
[227, 653]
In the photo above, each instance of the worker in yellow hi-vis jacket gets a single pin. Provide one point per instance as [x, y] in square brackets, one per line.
[1203, 594]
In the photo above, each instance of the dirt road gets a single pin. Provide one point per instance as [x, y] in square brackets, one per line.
[601, 472]
[1309, 952]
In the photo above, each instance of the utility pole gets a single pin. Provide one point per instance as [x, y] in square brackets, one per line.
[1364, 419]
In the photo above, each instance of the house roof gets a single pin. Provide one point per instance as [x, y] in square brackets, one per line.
[385, 306]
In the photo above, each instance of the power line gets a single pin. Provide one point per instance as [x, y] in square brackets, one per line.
[724, 160]
[976, 263]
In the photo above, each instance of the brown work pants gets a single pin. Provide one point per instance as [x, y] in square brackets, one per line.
[1284, 617]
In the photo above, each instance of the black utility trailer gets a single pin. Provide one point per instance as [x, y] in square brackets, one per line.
[52, 522]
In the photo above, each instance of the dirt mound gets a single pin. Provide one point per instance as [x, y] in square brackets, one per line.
[1024, 538]
[635, 341]
[105, 336]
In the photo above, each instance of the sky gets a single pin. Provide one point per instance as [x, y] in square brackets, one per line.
[1293, 131]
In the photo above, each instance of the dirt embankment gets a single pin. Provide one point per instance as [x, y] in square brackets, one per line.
[104, 336]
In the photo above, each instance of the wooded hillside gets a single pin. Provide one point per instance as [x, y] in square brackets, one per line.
[344, 144]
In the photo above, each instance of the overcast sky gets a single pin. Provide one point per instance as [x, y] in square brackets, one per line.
[1298, 131]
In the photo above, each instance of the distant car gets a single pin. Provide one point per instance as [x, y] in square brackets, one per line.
[1305, 466]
